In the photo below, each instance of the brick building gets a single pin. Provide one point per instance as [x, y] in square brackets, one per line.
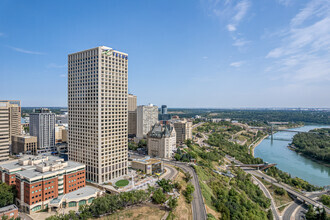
[41, 179]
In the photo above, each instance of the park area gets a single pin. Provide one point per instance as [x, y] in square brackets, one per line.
[122, 183]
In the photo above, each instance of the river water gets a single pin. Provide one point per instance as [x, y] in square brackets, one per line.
[276, 151]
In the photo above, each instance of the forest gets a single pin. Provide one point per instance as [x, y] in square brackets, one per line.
[314, 144]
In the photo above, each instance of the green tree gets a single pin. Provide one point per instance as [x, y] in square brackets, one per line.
[172, 203]
[7, 194]
[159, 197]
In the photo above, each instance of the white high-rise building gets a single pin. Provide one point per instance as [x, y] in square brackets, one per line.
[97, 101]
[147, 116]
[42, 125]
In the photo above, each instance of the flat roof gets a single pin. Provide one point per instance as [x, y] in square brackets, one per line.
[8, 208]
[30, 171]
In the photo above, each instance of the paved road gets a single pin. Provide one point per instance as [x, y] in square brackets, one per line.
[197, 125]
[298, 208]
[289, 190]
[268, 195]
[198, 206]
[171, 172]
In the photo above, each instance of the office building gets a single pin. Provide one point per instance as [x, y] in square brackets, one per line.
[42, 125]
[59, 131]
[164, 116]
[147, 116]
[131, 115]
[147, 165]
[183, 130]
[161, 141]
[40, 179]
[164, 110]
[10, 124]
[24, 144]
[97, 101]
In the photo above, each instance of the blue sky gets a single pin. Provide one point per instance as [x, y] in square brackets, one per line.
[203, 53]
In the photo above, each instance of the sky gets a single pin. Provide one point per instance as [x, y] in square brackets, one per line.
[182, 53]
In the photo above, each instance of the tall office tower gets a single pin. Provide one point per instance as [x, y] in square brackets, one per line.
[147, 116]
[42, 125]
[131, 115]
[97, 102]
[164, 109]
[10, 124]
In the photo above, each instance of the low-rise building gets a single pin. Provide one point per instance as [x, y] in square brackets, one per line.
[147, 165]
[40, 179]
[11, 211]
[24, 144]
[161, 141]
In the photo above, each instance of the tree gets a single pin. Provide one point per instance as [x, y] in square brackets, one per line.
[159, 197]
[172, 203]
[270, 214]
[187, 176]
[310, 214]
[7, 194]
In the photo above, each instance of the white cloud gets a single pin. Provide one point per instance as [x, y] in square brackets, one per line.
[54, 65]
[236, 64]
[304, 53]
[241, 8]
[285, 2]
[231, 27]
[231, 13]
[240, 42]
[205, 57]
[26, 51]
[63, 75]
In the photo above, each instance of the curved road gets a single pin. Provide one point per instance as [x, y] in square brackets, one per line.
[298, 208]
[198, 206]
[268, 195]
[171, 172]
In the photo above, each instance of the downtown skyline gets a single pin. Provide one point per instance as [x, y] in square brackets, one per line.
[216, 54]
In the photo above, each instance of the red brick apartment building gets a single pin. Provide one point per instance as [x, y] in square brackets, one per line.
[40, 179]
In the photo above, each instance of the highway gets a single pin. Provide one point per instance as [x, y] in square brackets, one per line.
[284, 186]
[170, 173]
[268, 195]
[197, 125]
[198, 206]
[297, 209]
[289, 190]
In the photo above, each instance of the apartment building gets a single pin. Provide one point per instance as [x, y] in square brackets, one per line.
[10, 124]
[183, 130]
[24, 144]
[131, 115]
[42, 126]
[161, 141]
[97, 101]
[41, 179]
[147, 116]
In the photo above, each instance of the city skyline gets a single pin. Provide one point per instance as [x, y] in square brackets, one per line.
[212, 54]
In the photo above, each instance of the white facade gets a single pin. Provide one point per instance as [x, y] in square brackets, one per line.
[97, 101]
[147, 116]
[161, 141]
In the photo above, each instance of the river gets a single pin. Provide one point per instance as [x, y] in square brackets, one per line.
[276, 151]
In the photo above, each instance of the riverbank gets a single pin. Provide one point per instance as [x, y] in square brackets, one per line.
[256, 144]
[292, 148]
[277, 151]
